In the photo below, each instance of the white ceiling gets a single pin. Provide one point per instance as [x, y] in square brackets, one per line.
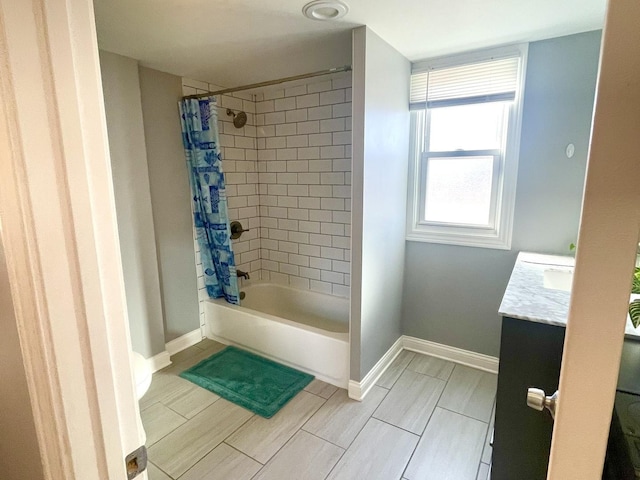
[237, 42]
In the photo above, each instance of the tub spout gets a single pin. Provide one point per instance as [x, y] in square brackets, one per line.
[244, 275]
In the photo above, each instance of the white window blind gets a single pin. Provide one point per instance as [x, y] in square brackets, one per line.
[492, 80]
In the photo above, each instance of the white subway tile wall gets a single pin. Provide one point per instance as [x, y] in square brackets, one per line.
[304, 165]
[288, 174]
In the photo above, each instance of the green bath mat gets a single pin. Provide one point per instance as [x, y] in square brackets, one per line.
[248, 380]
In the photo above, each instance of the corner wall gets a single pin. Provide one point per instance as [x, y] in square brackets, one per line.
[380, 164]
[121, 86]
[452, 293]
[171, 201]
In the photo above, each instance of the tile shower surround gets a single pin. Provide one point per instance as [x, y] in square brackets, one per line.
[288, 174]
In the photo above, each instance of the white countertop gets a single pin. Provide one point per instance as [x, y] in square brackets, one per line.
[526, 297]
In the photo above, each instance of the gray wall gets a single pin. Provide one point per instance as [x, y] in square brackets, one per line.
[171, 200]
[380, 152]
[452, 293]
[19, 451]
[133, 202]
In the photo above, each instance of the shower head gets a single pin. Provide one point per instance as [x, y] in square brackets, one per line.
[239, 119]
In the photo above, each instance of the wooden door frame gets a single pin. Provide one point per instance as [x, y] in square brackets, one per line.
[58, 227]
[59, 231]
[607, 243]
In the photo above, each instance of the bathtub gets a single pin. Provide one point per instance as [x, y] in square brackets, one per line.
[300, 328]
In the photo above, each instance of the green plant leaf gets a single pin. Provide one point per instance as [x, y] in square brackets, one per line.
[635, 287]
[634, 312]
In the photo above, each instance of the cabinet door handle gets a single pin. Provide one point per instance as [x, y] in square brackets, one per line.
[538, 400]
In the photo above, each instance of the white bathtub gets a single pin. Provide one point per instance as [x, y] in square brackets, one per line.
[300, 328]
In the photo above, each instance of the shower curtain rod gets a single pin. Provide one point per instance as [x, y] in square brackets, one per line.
[346, 68]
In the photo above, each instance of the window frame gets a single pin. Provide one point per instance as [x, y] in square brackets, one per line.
[498, 234]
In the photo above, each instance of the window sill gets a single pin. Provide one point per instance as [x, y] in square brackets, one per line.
[492, 241]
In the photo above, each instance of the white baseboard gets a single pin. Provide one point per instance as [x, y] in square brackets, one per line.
[163, 359]
[453, 354]
[358, 390]
[185, 341]
[159, 361]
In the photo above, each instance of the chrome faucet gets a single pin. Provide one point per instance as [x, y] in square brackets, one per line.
[244, 275]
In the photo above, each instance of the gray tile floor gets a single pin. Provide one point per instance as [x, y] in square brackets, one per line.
[425, 419]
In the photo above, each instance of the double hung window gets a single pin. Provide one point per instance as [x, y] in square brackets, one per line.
[465, 122]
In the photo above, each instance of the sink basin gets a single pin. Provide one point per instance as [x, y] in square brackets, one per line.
[558, 278]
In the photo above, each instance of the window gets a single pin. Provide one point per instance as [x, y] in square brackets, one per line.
[465, 127]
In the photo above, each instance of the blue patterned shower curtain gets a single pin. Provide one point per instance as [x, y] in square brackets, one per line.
[199, 118]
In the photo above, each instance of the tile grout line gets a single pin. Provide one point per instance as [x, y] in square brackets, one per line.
[404, 470]
[466, 416]
[430, 416]
[446, 383]
[339, 459]
[323, 439]
[160, 470]
[381, 421]
[435, 406]
[354, 438]
[171, 431]
[396, 426]
[401, 372]
[475, 385]
[277, 451]
[187, 418]
[149, 406]
[242, 453]
[484, 443]
[285, 444]
[316, 395]
[472, 418]
[216, 445]
[446, 380]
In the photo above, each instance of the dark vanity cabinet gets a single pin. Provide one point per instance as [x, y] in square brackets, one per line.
[530, 356]
[534, 317]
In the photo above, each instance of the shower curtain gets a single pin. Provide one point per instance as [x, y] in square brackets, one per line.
[199, 118]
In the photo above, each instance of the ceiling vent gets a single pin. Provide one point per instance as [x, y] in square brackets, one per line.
[325, 10]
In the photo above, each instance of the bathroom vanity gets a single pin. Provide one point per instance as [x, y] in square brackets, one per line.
[533, 328]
